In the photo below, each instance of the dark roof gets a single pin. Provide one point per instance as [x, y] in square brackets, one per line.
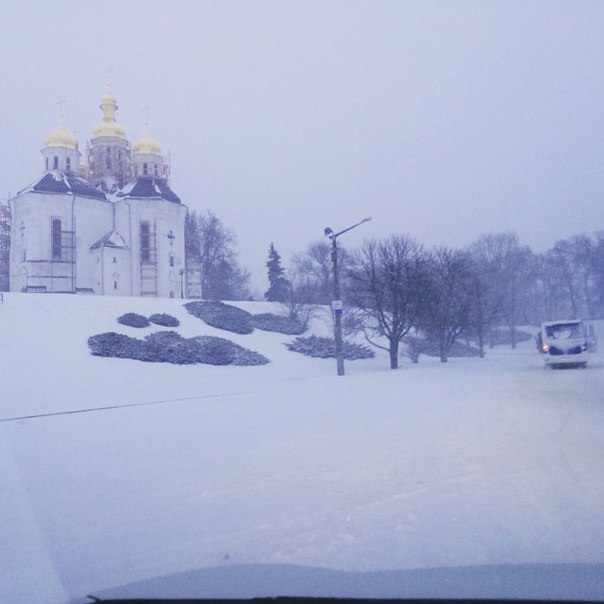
[66, 182]
[149, 188]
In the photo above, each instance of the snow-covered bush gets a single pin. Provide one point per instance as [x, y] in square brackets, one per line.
[133, 319]
[325, 348]
[279, 323]
[164, 320]
[170, 347]
[113, 344]
[223, 316]
[218, 351]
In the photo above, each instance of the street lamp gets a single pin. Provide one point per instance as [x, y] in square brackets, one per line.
[336, 303]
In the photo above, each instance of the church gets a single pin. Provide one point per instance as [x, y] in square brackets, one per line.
[106, 223]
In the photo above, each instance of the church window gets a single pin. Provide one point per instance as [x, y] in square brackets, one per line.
[145, 168]
[135, 170]
[171, 260]
[108, 163]
[56, 239]
[108, 150]
[145, 241]
[114, 260]
[68, 163]
[55, 162]
[115, 285]
[156, 172]
[47, 163]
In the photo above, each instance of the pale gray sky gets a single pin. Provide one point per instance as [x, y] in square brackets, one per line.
[444, 120]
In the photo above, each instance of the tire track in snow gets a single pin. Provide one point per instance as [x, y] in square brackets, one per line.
[125, 406]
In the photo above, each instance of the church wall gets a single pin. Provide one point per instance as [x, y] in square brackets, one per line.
[34, 262]
[166, 219]
[112, 271]
[93, 220]
[32, 250]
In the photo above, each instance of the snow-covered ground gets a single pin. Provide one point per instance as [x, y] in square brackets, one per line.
[476, 478]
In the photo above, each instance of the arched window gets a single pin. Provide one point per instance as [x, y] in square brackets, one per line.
[145, 169]
[171, 260]
[55, 162]
[47, 163]
[68, 163]
[56, 239]
[145, 241]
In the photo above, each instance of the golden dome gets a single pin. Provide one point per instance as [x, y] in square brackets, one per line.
[108, 125]
[61, 137]
[146, 144]
[109, 129]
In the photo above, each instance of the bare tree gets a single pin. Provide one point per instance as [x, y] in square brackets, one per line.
[210, 243]
[490, 283]
[313, 273]
[599, 273]
[384, 283]
[4, 247]
[573, 266]
[447, 298]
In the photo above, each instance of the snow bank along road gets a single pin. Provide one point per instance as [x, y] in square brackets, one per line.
[477, 462]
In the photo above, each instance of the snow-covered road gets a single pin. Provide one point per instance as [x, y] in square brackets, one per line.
[476, 462]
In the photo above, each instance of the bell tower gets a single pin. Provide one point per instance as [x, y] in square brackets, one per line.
[108, 151]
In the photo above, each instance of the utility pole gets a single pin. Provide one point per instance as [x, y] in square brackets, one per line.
[336, 304]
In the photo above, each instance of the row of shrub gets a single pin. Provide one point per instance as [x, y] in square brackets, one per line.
[230, 318]
[133, 319]
[171, 347]
[325, 348]
[278, 323]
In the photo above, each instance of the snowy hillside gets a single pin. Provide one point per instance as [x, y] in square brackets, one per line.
[123, 478]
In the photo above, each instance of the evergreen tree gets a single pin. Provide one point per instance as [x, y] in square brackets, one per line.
[279, 286]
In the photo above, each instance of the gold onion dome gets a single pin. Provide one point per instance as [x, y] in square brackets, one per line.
[61, 137]
[108, 125]
[146, 144]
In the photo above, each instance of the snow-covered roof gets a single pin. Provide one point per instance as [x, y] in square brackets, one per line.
[56, 181]
[149, 188]
[112, 239]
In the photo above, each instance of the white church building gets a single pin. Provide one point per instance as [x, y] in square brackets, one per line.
[106, 224]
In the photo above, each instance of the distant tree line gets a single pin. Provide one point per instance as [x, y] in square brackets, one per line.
[397, 291]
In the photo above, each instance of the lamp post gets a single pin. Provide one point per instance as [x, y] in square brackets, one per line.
[336, 303]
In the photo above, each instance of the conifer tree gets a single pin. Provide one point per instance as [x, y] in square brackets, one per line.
[279, 286]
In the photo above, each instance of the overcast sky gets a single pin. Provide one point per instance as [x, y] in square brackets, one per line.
[443, 120]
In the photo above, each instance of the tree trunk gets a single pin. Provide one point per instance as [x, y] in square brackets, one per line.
[393, 351]
[444, 357]
[481, 341]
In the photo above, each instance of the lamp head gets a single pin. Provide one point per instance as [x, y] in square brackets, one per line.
[328, 232]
